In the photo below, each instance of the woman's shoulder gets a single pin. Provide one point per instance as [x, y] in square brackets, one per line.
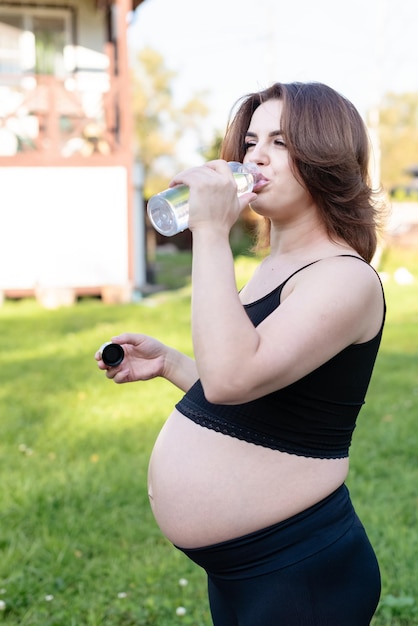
[346, 282]
[327, 272]
[347, 265]
[339, 273]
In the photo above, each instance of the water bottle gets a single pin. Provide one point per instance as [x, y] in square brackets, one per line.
[168, 210]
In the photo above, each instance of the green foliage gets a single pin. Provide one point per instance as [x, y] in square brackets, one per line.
[405, 193]
[213, 151]
[398, 132]
[79, 545]
[395, 257]
[173, 275]
[159, 124]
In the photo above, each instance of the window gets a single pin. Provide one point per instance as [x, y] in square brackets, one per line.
[36, 40]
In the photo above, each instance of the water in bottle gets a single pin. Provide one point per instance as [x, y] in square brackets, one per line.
[169, 210]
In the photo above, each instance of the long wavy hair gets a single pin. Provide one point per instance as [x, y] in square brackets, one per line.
[329, 152]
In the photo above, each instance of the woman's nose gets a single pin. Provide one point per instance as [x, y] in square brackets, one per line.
[258, 154]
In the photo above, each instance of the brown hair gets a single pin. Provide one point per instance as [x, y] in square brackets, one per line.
[329, 148]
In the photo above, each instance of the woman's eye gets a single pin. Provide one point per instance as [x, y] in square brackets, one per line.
[249, 144]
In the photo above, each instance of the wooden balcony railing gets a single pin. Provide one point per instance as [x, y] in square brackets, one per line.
[48, 118]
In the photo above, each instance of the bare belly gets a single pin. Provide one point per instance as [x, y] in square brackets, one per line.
[206, 487]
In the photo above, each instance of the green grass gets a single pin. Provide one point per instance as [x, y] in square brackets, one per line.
[78, 543]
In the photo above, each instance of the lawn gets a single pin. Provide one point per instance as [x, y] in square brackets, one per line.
[79, 546]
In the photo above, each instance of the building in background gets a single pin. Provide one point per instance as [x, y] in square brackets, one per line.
[71, 210]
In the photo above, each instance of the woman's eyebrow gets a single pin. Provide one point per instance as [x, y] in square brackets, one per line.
[274, 133]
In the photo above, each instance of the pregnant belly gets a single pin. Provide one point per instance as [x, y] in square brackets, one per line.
[206, 487]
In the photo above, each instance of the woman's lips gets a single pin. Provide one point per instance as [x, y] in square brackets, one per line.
[262, 182]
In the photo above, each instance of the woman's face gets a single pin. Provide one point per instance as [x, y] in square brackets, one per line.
[284, 197]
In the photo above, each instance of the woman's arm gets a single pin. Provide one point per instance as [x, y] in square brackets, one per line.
[327, 307]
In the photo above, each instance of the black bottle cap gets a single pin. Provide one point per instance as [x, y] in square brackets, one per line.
[112, 354]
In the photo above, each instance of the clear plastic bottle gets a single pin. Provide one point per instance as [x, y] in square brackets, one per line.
[168, 210]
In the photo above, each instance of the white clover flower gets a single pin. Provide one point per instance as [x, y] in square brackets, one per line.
[180, 611]
[183, 582]
[2, 605]
[122, 594]
[49, 597]
[23, 448]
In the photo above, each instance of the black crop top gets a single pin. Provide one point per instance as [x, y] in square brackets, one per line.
[312, 417]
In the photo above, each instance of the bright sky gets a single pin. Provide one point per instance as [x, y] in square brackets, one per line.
[362, 48]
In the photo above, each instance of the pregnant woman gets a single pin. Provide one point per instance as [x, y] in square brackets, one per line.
[247, 476]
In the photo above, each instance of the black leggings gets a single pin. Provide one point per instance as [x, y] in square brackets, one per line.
[315, 569]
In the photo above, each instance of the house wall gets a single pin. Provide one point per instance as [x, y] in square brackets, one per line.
[64, 227]
[73, 224]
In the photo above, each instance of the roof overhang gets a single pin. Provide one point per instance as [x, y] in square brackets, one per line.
[103, 4]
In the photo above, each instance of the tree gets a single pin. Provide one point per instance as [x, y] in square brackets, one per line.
[213, 150]
[398, 131]
[158, 124]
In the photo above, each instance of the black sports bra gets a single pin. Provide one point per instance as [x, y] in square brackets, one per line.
[313, 417]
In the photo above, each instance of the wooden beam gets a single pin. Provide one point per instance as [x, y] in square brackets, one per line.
[103, 4]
